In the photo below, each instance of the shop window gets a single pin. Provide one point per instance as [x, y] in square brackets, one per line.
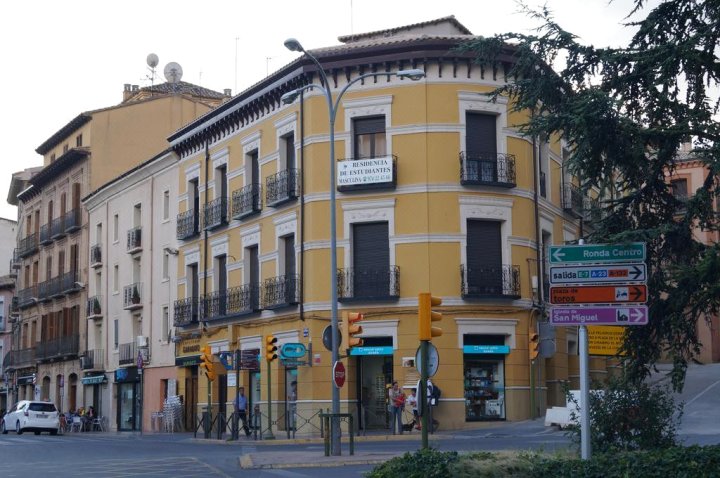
[369, 137]
[484, 376]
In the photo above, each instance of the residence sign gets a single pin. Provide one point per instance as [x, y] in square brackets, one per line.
[598, 253]
[357, 172]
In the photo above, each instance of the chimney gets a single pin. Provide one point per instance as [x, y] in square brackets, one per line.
[135, 88]
[227, 92]
[127, 93]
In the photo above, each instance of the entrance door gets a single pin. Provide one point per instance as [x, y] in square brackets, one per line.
[375, 374]
[127, 407]
[191, 384]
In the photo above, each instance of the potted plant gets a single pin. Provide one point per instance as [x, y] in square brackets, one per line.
[96, 306]
[135, 295]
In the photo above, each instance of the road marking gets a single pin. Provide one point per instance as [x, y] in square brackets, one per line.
[701, 393]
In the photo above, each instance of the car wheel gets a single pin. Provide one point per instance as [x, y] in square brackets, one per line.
[2, 427]
[18, 430]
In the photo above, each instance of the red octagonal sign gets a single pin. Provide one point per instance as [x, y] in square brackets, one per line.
[339, 374]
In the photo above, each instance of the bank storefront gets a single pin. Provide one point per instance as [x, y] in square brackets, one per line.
[484, 376]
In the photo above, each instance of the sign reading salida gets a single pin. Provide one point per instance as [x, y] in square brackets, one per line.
[365, 171]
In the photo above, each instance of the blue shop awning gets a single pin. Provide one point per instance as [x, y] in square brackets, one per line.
[94, 380]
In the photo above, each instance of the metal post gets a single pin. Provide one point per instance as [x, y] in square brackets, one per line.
[269, 435]
[208, 414]
[424, 405]
[585, 447]
[236, 413]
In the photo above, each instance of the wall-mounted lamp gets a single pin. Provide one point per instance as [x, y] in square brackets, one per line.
[171, 250]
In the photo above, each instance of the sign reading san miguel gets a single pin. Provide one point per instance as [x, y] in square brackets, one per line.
[356, 172]
[615, 315]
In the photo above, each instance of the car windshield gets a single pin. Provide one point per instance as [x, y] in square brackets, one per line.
[42, 407]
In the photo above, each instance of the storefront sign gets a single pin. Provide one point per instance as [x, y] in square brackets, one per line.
[292, 351]
[486, 349]
[187, 361]
[93, 380]
[26, 380]
[250, 359]
[384, 350]
[365, 171]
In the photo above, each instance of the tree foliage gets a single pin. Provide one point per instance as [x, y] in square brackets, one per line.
[624, 113]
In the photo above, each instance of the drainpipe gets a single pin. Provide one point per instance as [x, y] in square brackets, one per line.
[302, 209]
[538, 259]
[205, 232]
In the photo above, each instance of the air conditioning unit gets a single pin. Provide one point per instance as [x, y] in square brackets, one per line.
[83, 363]
[142, 341]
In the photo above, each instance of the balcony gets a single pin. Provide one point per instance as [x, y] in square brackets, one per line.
[215, 214]
[282, 187]
[96, 256]
[246, 201]
[488, 169]
[28, 245]
[134, 240]
[132, 296]
[281, 291]
[232, 302]
[93, 309]
[45, 238]
[15, 262]
[187, 225]
[572, 200]
[186, 312]
[58, 348]
[44, 290]
[355, 174]
[73, 220]
[592, 212]
[68, 282]
[93, 360]
[492, 281]
[127, 354]
[57, 228]
[368, 283]
[20, 358]
[27, 297]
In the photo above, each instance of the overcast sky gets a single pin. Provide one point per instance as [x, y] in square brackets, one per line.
[60, 58]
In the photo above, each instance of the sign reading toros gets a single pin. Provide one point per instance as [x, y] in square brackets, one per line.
[598, 294]
[338, 374]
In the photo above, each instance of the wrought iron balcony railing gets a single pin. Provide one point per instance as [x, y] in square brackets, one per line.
[369, 283]
[185, 311]
[187, 225]
[45, 290]
[93, 360]
[15, 262]
[282, 187]
[367, 173]
[57, 228]
[132, 296]
[281, 291]
[492, 281]
[572, 200]
[73, 220]
[127, 354]
[592, 212]
[45, 234]
[61, 347]
[491, 169]
[234, 301]
[96, 256]
[94, 308]
[247, 201]
[28, 245]
[134, 239]
[215, 213]
[20, 358]
[27, 296]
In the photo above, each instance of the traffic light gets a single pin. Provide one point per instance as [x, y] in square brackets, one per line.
[207, 362]
[426, 316]
[270, 348]
[533, 345]
[353, 329]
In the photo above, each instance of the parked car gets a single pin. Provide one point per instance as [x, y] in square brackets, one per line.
[28, 415]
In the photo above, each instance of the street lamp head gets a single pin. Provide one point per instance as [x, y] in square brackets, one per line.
[293, 45]
[414, 74]
[290, 96]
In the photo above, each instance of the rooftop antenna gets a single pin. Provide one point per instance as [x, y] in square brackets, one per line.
[152, 62]
[173, 74]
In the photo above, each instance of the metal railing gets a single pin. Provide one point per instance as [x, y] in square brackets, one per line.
[282, 187]
[59, 347]
[28, 245]
[369, 283]
[45, 234]
[132, 296]
[27, 296]
[96, 255]
[490, 281]
[185, 311]
[215, 213]
[20, 358]
[247, 201]
[244, 299]
[188, 224]
[93, 360]
[73, 220]
[127, 353]
[134, 239]
[94, 307]
[493, 169]
[281, 291]
[57, 228]
[572, 199]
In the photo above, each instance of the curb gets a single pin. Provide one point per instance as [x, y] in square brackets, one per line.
[247, 463]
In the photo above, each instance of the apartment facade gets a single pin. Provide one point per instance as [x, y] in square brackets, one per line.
[51, 361]
[436, 191]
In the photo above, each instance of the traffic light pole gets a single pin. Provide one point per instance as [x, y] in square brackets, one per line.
[424, 405]
[208, 425]
[269, 435]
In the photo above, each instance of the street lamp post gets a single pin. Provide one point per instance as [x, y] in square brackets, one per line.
[413, 74]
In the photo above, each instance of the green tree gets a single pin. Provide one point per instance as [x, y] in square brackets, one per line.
[624, 113]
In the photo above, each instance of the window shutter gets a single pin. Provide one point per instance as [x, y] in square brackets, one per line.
[480, 137]
[484, 257]
[371, 260]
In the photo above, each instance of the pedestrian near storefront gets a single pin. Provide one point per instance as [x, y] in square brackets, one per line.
[397, 404]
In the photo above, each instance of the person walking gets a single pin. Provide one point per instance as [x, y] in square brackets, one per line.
[397, 402]
[241, 409]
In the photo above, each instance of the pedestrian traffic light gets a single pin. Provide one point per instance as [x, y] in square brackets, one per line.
[270, 348]
[534, 345]
[207, 362]
[426, 316]
[352, 329]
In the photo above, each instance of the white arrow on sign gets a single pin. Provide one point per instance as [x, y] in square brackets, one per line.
[557, 255]
[636, 315]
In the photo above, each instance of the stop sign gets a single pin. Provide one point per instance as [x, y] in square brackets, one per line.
[339, 374]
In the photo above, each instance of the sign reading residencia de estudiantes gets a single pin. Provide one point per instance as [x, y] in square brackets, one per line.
[365, 171]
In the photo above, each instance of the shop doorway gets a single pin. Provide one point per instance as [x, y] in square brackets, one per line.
[484, 376]
[190, 400]
[375, 372]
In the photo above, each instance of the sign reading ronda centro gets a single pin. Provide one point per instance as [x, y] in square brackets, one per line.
[365, 172]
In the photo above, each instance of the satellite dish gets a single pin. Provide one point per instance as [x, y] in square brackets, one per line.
[152, 60]
[173, 72]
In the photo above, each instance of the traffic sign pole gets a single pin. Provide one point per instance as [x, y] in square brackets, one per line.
[585, 447]
[424, 405]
